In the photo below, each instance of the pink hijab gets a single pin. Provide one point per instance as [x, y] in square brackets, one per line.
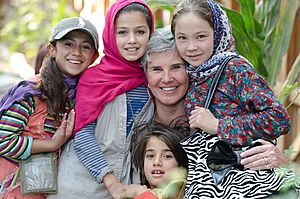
[113, 76]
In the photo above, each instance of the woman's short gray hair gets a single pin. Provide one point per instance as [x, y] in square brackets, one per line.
[161, 40]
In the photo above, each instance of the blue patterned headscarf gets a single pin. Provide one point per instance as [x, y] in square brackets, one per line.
[223, 44]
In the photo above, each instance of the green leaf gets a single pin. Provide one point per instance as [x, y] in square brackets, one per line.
[247, 12]
[245, 45]
[272, 8]
[281, 38]
[289, 85]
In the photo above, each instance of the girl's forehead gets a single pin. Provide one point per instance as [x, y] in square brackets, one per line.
[156, 143]
[131, 17]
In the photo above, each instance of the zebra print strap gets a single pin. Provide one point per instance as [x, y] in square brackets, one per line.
[216, 80]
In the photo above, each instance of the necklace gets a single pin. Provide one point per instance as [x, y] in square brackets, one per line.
[132, 117]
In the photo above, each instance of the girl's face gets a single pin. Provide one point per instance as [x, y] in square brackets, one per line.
[159, 162]
[74, 53]
[167, 77]
[132, 34]
[194, 39]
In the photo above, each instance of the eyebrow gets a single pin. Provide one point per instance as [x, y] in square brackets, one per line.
[164, 150]
[118, 27]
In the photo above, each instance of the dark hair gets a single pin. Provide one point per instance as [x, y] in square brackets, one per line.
[40, 57]
[54, 88]
[200, 8]
[137, 7]
[170, 136]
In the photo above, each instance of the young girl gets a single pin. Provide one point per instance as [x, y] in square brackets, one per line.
[157, 154]
[243, 108]
[111, 97]
[33, 117]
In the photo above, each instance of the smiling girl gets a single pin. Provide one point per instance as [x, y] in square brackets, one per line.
[111, 98]
[33, 117]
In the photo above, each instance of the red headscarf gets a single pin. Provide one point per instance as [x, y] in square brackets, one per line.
[113, 76]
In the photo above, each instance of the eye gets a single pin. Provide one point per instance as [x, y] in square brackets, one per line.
[157, 69]
[177, 66]
[182, 38]
[140, 32]
[122, 32]
[201, 36]
[168, 156]
[87, 46]
[68, 43]
[149, 156]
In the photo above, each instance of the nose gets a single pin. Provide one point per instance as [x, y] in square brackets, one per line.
[157, 161]
[167, 77]
[132, 38]
[191, 45]
[76, 50]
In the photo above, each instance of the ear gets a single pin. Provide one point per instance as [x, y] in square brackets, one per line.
[52, 50]
[96, 55]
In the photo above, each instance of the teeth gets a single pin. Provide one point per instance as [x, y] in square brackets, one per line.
[131, 49]
[169, 89]
[157, 172]
[75, 61]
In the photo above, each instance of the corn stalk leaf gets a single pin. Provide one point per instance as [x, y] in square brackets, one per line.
[281, 38]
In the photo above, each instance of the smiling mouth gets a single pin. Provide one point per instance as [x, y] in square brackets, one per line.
[157, 172]
[131, 49]
[168, 88]
[74, 61]
[193, 56]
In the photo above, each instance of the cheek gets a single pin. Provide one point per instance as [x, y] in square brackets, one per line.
[182, 78]
[152, 80]
[144, 41]
[180, 48]
[173, 164]
[210, 47]
[146, 166]
[119, 43]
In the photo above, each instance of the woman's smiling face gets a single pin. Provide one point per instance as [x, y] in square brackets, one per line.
[167, 77]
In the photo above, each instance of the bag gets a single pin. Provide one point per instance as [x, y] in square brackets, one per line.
[224, 157]
[218, 170]
[38, 173]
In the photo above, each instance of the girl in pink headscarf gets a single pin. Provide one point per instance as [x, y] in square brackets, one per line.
[111, 98]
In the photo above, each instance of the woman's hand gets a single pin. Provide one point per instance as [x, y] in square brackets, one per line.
[203, 119]
[266, 156]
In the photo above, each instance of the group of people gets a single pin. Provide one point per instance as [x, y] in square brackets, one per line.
[123, 125]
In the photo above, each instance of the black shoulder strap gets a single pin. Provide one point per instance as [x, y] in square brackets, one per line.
[216, 80]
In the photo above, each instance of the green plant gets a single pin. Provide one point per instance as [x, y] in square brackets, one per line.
[29, 22]
[262, 32]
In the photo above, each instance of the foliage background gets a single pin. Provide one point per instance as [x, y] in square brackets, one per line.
[25, 24]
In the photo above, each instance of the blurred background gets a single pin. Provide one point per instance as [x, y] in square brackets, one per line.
[269, 37]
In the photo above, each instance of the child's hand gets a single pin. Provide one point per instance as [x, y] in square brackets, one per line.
[113, 185]
[203, 119]
[65, 129]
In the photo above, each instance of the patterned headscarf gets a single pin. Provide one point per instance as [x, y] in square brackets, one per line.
[113, 76]
[223, 45]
